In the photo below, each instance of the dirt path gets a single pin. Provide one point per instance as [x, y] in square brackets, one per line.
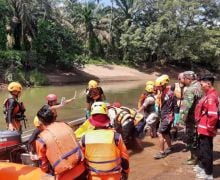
[144, 167]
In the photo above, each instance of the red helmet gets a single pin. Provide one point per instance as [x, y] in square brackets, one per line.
[51, 97]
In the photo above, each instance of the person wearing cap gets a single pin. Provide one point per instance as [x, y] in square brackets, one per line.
[57, 148]
[166, 111]
[206, 116]
[150, 115]
[105, 153]
[13, 109]
[190, 98]
[93, 93]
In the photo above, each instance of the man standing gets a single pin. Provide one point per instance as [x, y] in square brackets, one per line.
[13, 109]
[150, 114]
[206, 115]
[190, 98]
[167, 104]
[93, 94]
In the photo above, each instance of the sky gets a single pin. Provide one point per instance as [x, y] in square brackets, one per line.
[105, 2]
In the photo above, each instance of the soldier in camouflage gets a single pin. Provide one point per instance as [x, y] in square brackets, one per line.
[190, 98]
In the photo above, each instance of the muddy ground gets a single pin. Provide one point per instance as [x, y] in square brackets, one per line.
[172, 167]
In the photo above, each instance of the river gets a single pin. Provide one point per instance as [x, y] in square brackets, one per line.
[127, 93]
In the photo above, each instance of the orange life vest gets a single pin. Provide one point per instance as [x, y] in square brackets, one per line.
[141, 99]
[18, 108]
[63, 151]
[101, 152]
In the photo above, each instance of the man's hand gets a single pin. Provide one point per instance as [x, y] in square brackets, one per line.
[11, 127]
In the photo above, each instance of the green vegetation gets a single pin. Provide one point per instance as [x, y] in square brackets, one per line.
[35, 34]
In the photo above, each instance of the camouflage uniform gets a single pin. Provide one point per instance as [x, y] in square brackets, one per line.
[190, 98]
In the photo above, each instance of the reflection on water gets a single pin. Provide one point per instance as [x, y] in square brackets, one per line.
[34, 98]
[125, 92]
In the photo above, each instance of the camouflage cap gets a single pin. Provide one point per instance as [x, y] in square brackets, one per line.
[189, 74]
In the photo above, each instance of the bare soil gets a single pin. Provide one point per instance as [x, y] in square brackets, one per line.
[172, 167]
[106, 73]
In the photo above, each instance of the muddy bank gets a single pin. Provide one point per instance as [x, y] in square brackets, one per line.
[106, 73]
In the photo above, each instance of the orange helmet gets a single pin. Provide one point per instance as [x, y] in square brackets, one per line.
[51, 97]
[14, 86]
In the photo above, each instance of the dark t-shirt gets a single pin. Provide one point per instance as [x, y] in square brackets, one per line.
[95, 94]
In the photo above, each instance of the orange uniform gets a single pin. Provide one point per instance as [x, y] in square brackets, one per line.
[57, 147]
[105, 154]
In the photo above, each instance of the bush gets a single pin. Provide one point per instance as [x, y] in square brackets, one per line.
[37, 78]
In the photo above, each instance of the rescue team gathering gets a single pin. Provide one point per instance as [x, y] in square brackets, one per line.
[98, 148]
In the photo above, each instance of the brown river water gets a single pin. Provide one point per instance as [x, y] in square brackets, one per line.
[127, 93]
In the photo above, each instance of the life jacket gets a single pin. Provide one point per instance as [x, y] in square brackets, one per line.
[86, 126]
[18, 110]
[141, 99]
[134, 114]
[95, 93]
[121, 115]
[63, 151]
[101, 152]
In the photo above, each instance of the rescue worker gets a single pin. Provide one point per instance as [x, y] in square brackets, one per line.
[86, 126]
[54, 105]
[139, 122]
[178, 88]
[58, 149]
[93, 94]
[167, 104]
[34, 136]
[206, 115]
[190, 98]
[150, 114]
[144, 94]
[13, 109]
[124, 123]
[105, 153]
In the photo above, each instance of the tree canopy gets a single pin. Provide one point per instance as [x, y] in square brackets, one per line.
[68, 33]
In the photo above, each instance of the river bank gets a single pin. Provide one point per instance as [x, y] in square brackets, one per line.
[109, 73]
[105, 73]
